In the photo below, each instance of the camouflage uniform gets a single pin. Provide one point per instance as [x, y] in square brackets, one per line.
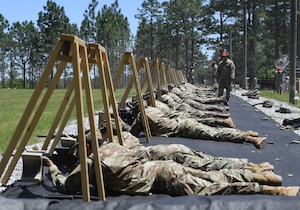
[190, 158]
[199, 91]
[181, 154]
[225, 76]
[207, 120]
[130, 172]
[278, 80]
[197, 105]
[167, 99]
[204, 100]
[161, 125]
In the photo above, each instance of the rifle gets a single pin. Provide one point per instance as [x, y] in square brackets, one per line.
[295, 123]
[63, 158]
[33, 170]
[53, 136]
[127, 116]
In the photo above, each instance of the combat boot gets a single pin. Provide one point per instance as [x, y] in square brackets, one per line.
[223, 98]
[225, 108]
[227, 122]
[251, 133]
[268, 178]
[259, 142]
[258, 168]
[287, 191]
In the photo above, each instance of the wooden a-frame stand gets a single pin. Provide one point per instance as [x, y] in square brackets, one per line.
[177, 76]
[180, 76]
[69, 49]
[169, 76]
[163, 74]
[159, 76]
[153, 71]
[98, 57]
[143, 63]
[128, 59]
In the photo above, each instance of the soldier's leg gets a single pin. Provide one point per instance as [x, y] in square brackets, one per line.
[198, 160]
[221, 88]
[258, 168]
[280, 88]
[176, 180]
[251, 133]
[286, 191]
[236, 135]
[217, 122]
[190, 128]
[228, 90]
[268, 178]
[216, 114]
[259, 142]
[226, 122]
[254, 187]
[237, 175]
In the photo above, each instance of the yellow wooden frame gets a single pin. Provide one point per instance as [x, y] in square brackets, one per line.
[98, 56]
[68, 49]
[143, 63]
[128, 59]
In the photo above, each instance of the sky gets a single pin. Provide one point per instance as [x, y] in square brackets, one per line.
[21, 10]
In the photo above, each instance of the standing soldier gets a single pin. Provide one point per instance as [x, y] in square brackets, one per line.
[192, 74]
[225, 75]
[278, 80]
[214, 74]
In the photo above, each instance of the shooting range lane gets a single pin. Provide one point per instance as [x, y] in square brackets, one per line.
[279, 151]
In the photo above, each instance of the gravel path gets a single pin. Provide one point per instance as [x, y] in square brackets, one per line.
[271, 112]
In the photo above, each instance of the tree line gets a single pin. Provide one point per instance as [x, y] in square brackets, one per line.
[179, 33]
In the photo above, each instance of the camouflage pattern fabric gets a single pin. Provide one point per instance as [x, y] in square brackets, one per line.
[184, 107]
[128, 172]
[190, 128]
[195, 104]
[208, 120]
[208, 107]
[278, 81]
[225, 75]
[188, 95]
[200, 91]
[162, 125]
[190, 158]
[226, 70]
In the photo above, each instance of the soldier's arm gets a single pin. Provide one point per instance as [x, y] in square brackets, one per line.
[67, 184]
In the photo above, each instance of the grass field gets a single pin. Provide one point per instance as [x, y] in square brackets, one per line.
[284, 97]
[14, 102]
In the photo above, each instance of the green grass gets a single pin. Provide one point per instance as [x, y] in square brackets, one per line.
[14, 102]
[284, 97]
